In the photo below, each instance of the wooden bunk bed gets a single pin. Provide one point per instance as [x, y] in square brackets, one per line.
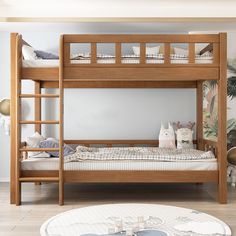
[119, 75]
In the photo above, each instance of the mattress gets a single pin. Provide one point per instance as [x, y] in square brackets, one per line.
[53, 164]
[55, 63]
[40, 63]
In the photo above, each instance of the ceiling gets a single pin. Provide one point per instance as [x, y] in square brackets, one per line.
[107, 10]
[118, 16]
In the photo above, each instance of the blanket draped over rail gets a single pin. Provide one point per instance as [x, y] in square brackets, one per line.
[137, 153]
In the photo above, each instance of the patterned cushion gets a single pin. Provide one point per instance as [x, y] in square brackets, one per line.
[33, 142]
[46, 55]
[53, 143]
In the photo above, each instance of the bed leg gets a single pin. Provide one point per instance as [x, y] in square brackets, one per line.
[37, 183]
[222, 191]
[61, 193]
[222, 122]
[18, 194]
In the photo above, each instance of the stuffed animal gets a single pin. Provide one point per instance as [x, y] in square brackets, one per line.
[184, 135]
[167, 137]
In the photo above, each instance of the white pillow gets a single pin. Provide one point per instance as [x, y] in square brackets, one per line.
[28, 53]
[149, 50]
[41, 155]
[33, 142]
[181, 51]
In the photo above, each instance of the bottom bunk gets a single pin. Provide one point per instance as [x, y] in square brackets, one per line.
[124, 161]
[126, 164]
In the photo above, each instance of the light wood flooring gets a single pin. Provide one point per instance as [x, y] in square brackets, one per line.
[40, 202]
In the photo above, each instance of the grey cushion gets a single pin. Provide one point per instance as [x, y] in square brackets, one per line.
[53, 143]
[46, 55]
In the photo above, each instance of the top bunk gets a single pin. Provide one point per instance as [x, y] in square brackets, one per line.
[128, 60]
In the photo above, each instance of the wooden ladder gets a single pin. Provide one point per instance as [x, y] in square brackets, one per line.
[37, 122]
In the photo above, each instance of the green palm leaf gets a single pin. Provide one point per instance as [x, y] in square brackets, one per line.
[211, 130]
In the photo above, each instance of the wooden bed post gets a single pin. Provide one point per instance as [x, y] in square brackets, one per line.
[18, 118]
[37, 111]
[15, 189]
[61, 121]
[13, 119]
[222, 120]
[199, 126]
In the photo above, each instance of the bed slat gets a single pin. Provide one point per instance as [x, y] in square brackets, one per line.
[50, 122]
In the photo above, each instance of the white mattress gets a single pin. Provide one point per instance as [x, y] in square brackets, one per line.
[55, 63]
[40, 63]
[52, 164]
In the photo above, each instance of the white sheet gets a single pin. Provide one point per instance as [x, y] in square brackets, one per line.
[52, 164]
[55, 63]
[40, 63]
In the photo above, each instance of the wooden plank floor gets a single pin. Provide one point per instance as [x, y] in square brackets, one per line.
[40, 202]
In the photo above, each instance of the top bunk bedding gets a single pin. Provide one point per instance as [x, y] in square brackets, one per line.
[175, 59]
[128, 59]
[154, 55]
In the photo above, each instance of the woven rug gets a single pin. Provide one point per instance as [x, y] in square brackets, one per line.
[134, 220]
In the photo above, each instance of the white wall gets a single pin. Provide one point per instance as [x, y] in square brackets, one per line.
[125, 113]
[4, 93]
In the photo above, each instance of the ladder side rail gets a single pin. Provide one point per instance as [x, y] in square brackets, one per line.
[61, 120]
[13, 119]
[18, 117]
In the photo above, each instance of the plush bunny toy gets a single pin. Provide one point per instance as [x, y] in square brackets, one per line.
[167, 137]
[184, 135]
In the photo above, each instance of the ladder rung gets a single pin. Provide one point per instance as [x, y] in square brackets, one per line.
[28, 149]
[39, 96]
[39, 122]
[39, 179]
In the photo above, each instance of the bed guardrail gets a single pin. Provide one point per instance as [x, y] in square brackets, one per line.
[167, 42]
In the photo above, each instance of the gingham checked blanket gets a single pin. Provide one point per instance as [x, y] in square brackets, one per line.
[133, 56]
[137, 153]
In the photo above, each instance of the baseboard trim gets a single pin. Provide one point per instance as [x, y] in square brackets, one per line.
[3, 180]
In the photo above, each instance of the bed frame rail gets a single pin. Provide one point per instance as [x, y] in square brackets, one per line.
[110, 143]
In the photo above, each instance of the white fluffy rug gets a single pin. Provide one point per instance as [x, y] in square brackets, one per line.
[134, 220]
